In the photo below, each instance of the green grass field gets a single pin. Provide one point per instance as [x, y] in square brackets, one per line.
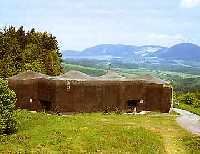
[98, 133]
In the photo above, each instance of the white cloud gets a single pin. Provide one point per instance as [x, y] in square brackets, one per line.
[153, 39]
[92, 39]
[190, 3]
[164, 39]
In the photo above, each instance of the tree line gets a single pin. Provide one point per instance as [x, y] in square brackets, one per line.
[22, 50]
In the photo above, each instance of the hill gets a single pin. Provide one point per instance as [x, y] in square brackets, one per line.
[183, 51]
[112, 51]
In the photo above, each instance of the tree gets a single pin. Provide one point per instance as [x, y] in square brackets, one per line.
[7, 101]
[31, 50]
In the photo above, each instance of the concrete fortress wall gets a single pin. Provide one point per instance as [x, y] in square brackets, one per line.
[63, 95]
[27, 93]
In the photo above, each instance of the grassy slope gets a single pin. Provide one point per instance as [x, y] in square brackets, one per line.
[90, 133]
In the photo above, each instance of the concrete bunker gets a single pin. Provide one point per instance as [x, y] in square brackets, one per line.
[76, 92]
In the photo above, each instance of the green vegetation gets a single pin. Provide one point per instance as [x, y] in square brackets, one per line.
[20, 51]
[90, 67]
[188, 101]
[187, 84]
[166, 75]
[189, 98]
[88, 70]
[95, 132]
[7, 102]
[188, 108]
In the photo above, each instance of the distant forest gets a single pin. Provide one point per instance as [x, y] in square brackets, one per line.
[22, 50]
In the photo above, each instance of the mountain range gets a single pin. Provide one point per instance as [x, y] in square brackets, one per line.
[179, 54]
[112, 51]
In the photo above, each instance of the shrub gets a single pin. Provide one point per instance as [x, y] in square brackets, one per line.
[7, 101]
[187, 98]
[196, 103]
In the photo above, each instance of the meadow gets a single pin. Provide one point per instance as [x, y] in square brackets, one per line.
[98, 133]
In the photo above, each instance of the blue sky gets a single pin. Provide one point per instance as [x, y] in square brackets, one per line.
[79, 24]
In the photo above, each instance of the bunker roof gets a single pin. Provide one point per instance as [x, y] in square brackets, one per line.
[28, 75]
[111, 75]
[77, 75]
[72, 74]
[148, 78]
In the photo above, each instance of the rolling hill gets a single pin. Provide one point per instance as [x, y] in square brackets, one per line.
[183, 51]
[110, 51]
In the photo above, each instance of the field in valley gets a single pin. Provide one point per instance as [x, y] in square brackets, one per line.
[98, 133]
[167, 75]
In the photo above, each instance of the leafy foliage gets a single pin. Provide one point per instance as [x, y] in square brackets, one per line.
[192, 99]
[188, 98]
[20, 51]
[7, 101]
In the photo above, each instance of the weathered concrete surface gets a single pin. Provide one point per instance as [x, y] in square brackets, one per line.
[188, 120]
[79, 93]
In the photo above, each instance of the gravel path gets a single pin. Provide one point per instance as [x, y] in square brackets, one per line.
[188, 120]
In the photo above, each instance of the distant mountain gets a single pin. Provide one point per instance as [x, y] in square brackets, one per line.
[117, 50]
[183, 51]
[113, 51]
[184, 55]
[147, 50]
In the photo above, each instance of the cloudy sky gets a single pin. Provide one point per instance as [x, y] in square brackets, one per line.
[78, 24]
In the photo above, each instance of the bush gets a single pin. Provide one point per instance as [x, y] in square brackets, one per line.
[196, 103]
[7, 101]
[192, 99]
[188, 98]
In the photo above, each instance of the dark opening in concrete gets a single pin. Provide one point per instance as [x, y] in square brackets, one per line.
[132, 105]
[46, 105]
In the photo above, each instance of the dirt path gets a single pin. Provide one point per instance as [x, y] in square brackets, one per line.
[188, 120]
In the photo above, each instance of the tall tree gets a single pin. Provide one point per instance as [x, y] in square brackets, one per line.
[31, 50]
